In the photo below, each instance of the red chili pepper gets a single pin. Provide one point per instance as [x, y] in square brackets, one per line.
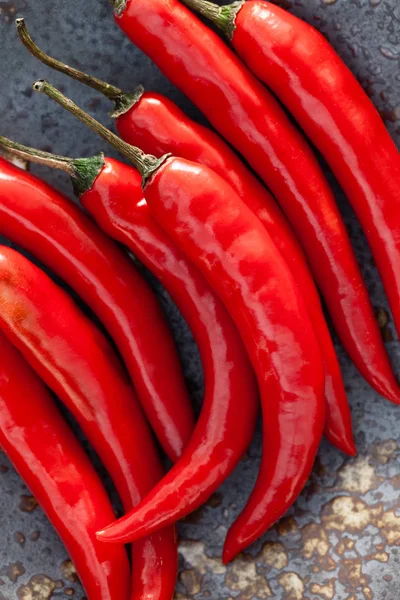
[197, 61]
[227, 242]
[50, 460]
[75, 360]
[218, 232]
[158, 126]
[226, 425]
[305, 72]
[227, 421]
[41, 220]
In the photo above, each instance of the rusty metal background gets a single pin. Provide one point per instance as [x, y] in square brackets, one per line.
[342, 538]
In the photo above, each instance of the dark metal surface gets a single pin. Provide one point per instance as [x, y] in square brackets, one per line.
[342, 538]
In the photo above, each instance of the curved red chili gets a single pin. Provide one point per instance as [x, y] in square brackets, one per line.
[197, 61]
[44, 222]
[218, 232]
[304, 71]
[227, 421]
[158, 126]
[75, 360]
[206, 218]
[50, 460]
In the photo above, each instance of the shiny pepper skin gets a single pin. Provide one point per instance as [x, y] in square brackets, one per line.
[307, 75]
[158, 126]
[44, 222]
[227, 421]
[56, 469]
[198, 62]
[214, 228]
[78, 364]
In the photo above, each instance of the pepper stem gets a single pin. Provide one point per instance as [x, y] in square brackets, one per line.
[223, 17]
[38, 156]
[119, 6]
[83, 171]
[123, 100]
[146, 164]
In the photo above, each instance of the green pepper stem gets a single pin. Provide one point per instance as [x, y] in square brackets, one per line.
[223, 17]
[119, 6]
[145, 163]
[83, 171]
[123, 100]
[38, 156]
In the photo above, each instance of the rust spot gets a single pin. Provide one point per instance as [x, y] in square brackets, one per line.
[34, 536]
[357, 476]
[27, 503]
[13, 571]
[39, 587]
[344, 545]
[389, 526]
[396, 482]
[4, 469]
[315, 540]
[20, 538]
[381, 557]
[385, 451]
[244, 578]
[350, 573]
[368, 593]
[69, 591]
[8, 10]
[345, 513]
[192, 581]
[274, 555]
[68, 571]
[293, 586]
[326, 591]
[286, 526]
[195, 555]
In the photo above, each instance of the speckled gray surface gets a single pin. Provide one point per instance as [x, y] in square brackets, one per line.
[342, 538]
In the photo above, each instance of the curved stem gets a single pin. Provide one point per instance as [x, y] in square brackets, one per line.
[223, 17]
[83, 171]
[38, 156]
[145, 163]
[112, 92]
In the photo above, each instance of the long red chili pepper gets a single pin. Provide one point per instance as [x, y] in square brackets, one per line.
[230, 406]
[226, 425]
[41, 220]
[218, 232]
[197, 61]
[50, 460]
[158, 126]
[75, 360]
[305, 72]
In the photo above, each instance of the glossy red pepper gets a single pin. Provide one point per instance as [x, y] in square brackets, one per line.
[44, 222]
[304, 71]
[158, 126]
[207, 219]
[218, 232]
[50, 460]
[75, 360]
[227, 421]
[197, 61]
